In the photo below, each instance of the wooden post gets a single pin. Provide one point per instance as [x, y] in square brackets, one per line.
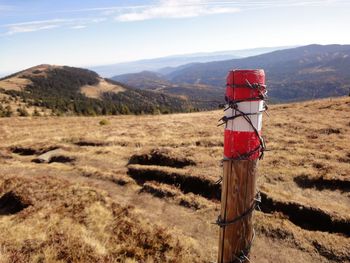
[243, 147]
[238, 196]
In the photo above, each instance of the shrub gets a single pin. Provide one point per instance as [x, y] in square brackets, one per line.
[36, 113]
[104, 122]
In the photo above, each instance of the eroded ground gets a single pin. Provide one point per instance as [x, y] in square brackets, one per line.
[142, 188]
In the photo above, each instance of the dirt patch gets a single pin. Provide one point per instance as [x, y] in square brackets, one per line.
[91, 143]
[161, 157]
[61, 159]
[158, 190]
[119, 179]
[11, 204]
[185, 182]
[191, 201]
[97, 91]
[329, 131]
[27, 151]
[321, 183]
[24, 151]
[309, 218]
[54, 156]
[175, 195]
[54, 159]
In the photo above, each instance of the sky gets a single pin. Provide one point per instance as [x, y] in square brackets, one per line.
[87, 33]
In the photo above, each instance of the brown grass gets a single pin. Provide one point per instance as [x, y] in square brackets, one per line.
[15, 83]
[103, 86]
[81, 211]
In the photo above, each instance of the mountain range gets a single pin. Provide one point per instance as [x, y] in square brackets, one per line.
[164, 64]
[293, 74]
[308, 72]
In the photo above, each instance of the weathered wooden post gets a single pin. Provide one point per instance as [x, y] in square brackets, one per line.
[243, 146]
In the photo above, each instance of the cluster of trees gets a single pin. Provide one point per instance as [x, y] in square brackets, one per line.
[59, 91]
[7, 111]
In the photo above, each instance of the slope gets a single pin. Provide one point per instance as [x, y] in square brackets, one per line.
[106, 204]
[68, 90]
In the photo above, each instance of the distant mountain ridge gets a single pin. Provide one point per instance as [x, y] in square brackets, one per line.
[301, 73]
[200, 95]
[158, 64]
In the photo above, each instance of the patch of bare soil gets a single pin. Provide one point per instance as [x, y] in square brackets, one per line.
[161, 157]
[91, 143]
[27, 151]
[11, 204]
[321, 183]
[96, 91]
[172, 176]
[175, 195]
[24, 151]
[306, 217]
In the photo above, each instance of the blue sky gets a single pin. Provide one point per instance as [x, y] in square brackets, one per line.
[84, 33]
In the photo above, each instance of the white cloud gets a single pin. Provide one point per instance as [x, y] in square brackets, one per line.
[34, 26]
[177, 9]
[78, 27]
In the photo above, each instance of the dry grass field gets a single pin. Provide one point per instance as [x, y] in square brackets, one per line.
[142, 188]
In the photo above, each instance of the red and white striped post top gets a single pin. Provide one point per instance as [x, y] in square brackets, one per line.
[245, 94]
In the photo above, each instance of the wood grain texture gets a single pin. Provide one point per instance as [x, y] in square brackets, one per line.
[237, 196]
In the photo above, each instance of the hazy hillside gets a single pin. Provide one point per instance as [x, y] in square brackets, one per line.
[157, 64]
[143, 80]
[301, 73]
[67, 90]
[313, 71]
[201, 96]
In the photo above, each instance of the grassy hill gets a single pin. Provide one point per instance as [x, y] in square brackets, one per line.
[68, 90]
[117, 194]
[295, 74]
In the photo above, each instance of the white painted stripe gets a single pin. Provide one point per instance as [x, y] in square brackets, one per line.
[239, 123]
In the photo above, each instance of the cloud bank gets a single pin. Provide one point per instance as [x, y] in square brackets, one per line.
[177, 9]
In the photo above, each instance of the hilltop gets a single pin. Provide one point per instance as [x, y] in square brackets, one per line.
[150, 195]
[49, 89]
[295, 74]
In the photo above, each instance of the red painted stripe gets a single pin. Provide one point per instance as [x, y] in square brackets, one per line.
[239, 77]
[239, 143]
